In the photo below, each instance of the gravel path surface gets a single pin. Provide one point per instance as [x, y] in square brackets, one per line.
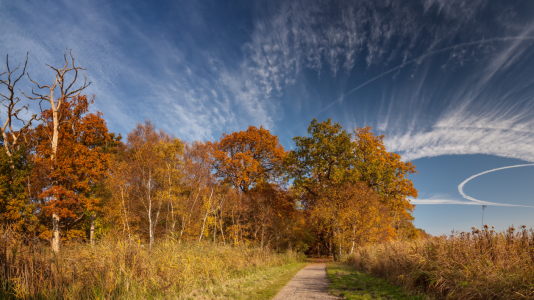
[309, 283]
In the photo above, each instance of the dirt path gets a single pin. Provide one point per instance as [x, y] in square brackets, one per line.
[309, 283]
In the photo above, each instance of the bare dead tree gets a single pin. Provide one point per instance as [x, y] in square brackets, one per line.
[66, 91]
[9, 100]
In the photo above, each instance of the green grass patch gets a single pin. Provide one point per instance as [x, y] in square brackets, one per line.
[349, 283]
[261, 285]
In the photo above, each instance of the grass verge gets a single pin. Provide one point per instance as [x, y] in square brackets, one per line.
[261, 285]
[349, 283]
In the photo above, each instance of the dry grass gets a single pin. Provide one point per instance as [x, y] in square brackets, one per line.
[114, 269]
[483, 264]
[262, 285]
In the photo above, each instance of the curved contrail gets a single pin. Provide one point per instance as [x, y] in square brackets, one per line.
[461, 187]
[422, 57]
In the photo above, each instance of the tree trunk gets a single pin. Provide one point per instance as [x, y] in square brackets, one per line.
[353, 238]
[92, 231]
[56, 236]
[55, 134]
[215, 229]
[125, 221]
[150, 225]
[222, 231]
[262, 234]
[340, 242]
[205, 217]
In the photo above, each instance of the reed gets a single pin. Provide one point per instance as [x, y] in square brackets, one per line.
[119, 269]
[482, 264]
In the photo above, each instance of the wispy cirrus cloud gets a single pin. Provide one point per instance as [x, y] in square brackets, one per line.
[491, 114]
[472, 117]
[136, 73]
[195, 91]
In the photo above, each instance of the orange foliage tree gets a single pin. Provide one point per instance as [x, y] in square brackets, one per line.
[65, 186]
[387, 174]
[247, 158]
[60, 91]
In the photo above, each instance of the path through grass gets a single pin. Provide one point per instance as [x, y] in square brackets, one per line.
[349, 283]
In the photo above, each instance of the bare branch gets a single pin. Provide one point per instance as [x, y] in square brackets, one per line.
[9, 101]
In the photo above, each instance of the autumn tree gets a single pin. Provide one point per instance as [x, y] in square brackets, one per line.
[65, 176]
[329, 162]
[15, 166]
[321, 165]
[118, 211]
[360, 215]
[15, 171]
[247, 158]
[271, 207]
[58, 93]
[197, 185]
[252, 162]
[388, 175]
[145, 163]
[170, 150]
[150, 178]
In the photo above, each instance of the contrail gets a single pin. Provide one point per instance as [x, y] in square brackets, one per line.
[472, 201]
[461, 187]
[422, 57]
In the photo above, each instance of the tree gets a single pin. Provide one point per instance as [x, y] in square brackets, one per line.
[198, 183]
[14, 164]
[66, 91]
[321, 166]
[15, 171]
[387, 174]
[67, 183]
[145, 163]
[326, 158]
[247, 158]
[152, 177]
[270, 207]
[170, 150]
[10, 136]
[330, 162]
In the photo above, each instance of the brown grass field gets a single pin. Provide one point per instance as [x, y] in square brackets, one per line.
[482, 264]
[115, 269]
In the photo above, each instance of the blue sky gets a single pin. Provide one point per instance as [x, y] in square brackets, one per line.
[448, 82]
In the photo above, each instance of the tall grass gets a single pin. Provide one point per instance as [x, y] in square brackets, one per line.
[482, 264]
[113, 268]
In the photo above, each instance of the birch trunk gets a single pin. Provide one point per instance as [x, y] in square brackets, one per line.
[92, 231]
[205, 217]
[55, 233]
[150, 225]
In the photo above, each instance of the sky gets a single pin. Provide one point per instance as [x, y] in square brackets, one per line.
[449, 83]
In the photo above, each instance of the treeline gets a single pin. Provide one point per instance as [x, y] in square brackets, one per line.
[64, 178]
